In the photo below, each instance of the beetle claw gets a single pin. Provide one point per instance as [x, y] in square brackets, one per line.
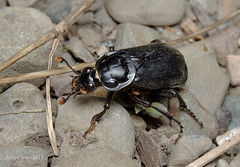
[90, 129]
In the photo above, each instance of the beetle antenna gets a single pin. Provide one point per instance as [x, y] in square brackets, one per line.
[61, 59]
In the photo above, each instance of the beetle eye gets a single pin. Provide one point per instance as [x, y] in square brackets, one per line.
[89, 87]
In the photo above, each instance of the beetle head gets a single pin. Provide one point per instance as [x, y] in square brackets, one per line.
[86, 82]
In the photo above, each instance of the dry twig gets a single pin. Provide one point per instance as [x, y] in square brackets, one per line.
[211, 155]
[51, 131]
[59, 29]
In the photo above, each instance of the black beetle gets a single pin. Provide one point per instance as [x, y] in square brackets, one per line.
[153, 67]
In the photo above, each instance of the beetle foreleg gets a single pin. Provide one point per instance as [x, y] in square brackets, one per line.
[168, 115]
[96, 118]
[182, 104]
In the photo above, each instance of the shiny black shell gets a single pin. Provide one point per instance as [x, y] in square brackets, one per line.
[150, 67]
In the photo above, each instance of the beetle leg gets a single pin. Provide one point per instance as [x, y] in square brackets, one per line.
[182, 104]
[96, 118]
[168, 115]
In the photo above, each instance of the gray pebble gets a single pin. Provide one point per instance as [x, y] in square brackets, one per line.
[138, 122]
[225, 42]
[210, 6]
[25, 3]
[91, 35]
[203, 82]
[3, 3]
[76, 47]
[98, 157]
[55, 9]
[151, 12]
[188, 148]
[19, 27]
[22, 111]
[235, 162]
[131, 35]
[115, 129]
[103, 19]
[223, 116]
[232, 102]
[222, 163]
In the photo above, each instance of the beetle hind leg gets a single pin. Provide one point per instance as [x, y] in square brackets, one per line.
[182, 104]
[168, 115]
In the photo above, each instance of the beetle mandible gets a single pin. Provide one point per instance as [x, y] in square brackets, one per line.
[154, 67]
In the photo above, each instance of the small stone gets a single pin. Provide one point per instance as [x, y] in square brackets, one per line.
[210, 6]
[76, 47]
[138, 122]
[168, 131]
[3, 3]
[151, 12]
[168, 35]
[55, 9]
[188, 148]
[232, 102]
[131, 35]
[23, 156]
[209, 88]
[91, 35]
[202, 15]
[152, 147]
[189, 27]
[223, 116]
[115, 129]
[233, 65]
[221, 139]
[98, 157]
[235, 162]
[222, 163]
[225, 43]
[20, 27]
[105, 21]
[26, 3]
[22, 110]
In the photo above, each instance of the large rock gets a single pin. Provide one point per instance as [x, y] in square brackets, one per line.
[22, 110]
[187, 149]
[20, 27]
[151, 12]
[98, 157]
[206, 79]
[115, 129]
[190, 126]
